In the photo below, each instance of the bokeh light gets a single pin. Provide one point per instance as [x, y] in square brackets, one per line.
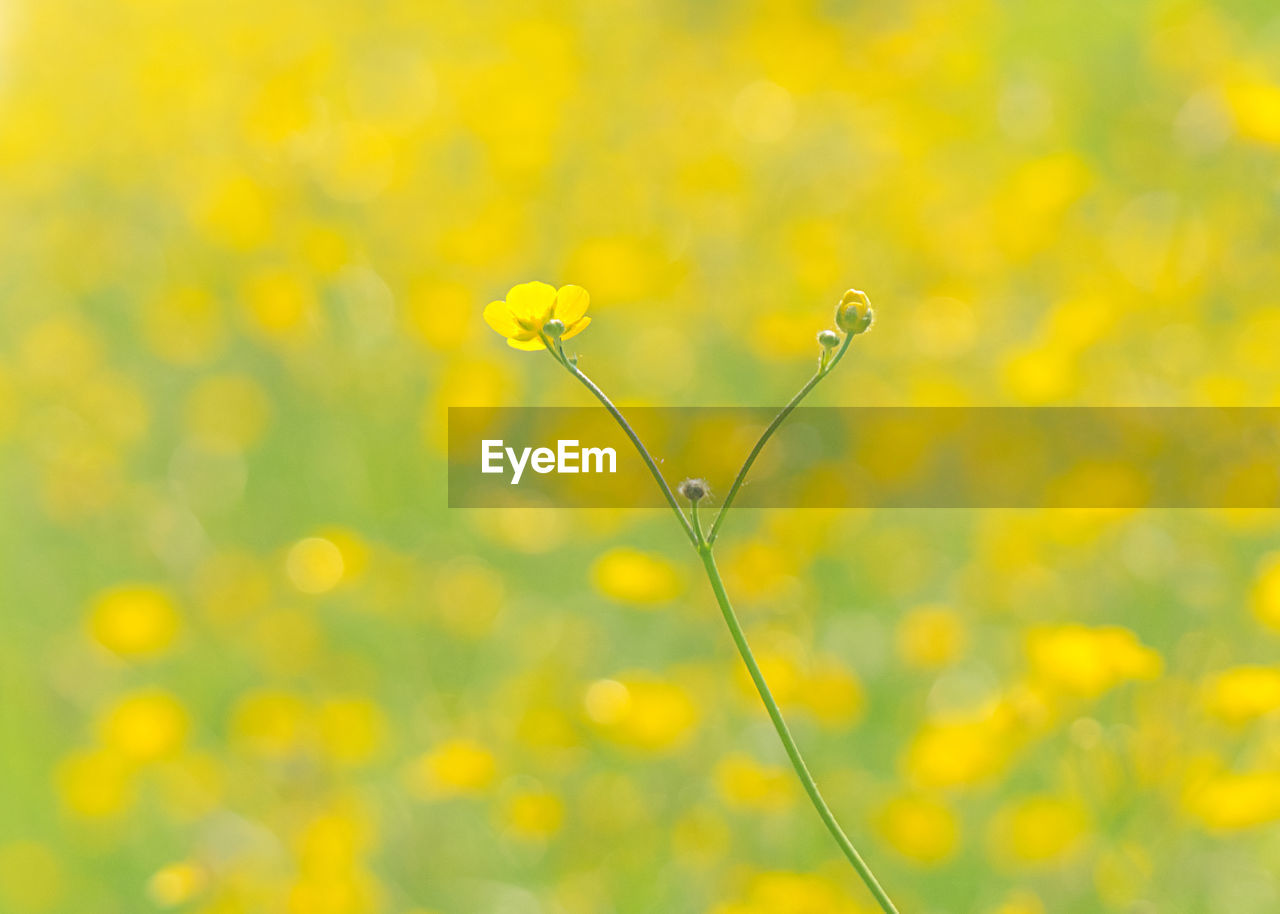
[251, 663]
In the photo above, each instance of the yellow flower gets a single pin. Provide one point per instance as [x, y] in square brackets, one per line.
[534, 814]
[351, 730]
[95, 784]
[145, 726]
[1243, 693]
[530, 306]
[791, 893]
[952, 753]
[1038, 830]
[1266, 591]
[642, 712]
[176, 884]
[744, 782]
[930, 636]
[1089, 661]
[919, 828]
[1234, 801]
[315, 565]
[456, 767]
[134, 621]
[854, 314]
[640, 578]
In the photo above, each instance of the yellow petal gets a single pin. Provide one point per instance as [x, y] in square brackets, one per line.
[571, 303]
[527, 345]
[576, 328]
[532, 301]
[498, 316]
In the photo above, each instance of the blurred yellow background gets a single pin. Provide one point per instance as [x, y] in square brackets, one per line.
[250, 663]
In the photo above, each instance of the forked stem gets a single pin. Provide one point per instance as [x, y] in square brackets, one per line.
[703, 544]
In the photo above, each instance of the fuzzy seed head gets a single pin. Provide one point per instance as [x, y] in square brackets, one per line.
[694, 489]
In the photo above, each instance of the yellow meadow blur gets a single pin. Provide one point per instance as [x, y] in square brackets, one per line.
[251, 662]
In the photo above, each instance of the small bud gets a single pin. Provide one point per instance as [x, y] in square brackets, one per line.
[855, 295]
[854, 314]
[553, 328]
[694, 489]
[828, 339]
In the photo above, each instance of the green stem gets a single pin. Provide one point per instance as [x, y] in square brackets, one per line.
[702, 543]
[784, 734]
[557, 353]
[824, 369]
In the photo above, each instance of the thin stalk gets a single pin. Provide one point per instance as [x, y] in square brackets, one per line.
[824, 369]
[784, 734]
[697, 525]
[703, 543]
[557, 353]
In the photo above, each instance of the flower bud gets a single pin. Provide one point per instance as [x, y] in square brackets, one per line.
[828, 339]
[854, 314]
[694, 489]
[553, 328]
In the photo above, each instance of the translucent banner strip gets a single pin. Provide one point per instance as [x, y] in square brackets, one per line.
[874, 457]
